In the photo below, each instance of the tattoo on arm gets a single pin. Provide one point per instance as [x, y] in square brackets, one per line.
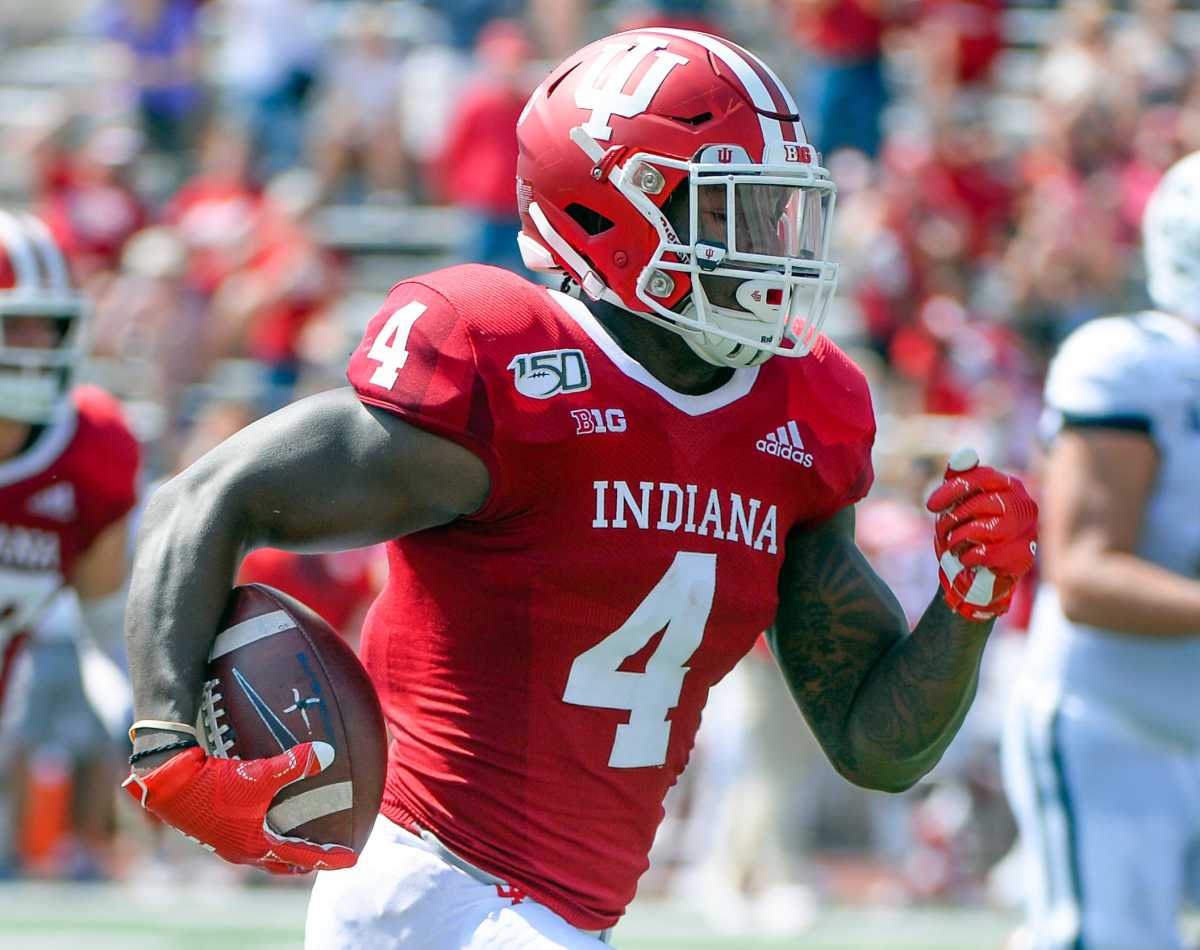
[884, 703]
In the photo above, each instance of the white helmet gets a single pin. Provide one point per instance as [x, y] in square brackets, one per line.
[37, 368]
[1171, 240]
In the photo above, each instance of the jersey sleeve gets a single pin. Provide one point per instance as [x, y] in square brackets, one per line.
[417, 360]
[1103, 376]
[110, 490]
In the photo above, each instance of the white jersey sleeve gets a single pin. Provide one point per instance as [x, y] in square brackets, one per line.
[1106, 374]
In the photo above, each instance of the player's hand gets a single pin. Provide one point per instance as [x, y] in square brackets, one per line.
[222, 804]
[985, 537]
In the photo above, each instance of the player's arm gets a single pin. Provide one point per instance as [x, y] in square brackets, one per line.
[327, 472]
[885, 702]
[1097, 481]
[98, 578]
[100, 571]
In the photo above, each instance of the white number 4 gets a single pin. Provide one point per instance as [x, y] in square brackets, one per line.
[681, 602]
[389, 347]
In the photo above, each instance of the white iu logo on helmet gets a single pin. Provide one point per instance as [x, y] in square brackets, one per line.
[606, 97]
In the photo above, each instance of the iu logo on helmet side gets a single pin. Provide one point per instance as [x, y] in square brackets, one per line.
[602, 87]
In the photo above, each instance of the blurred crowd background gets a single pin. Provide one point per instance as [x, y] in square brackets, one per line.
[238, 182]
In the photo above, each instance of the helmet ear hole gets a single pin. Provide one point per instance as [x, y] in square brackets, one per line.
[593, 222]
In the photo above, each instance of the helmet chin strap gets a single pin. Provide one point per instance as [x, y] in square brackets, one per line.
[718, 350]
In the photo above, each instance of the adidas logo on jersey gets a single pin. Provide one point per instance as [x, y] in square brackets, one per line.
[56, 502]
[785, 442]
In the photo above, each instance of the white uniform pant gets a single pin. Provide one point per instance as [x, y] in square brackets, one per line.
[402, 894]
[1110, 824]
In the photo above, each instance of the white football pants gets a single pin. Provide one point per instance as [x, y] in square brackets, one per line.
[1109, 817]
[401, 894]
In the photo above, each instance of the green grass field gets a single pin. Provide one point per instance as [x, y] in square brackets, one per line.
[78, 917]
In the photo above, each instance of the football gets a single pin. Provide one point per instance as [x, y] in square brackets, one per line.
[279, 675]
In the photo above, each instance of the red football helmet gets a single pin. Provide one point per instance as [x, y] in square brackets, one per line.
[667, 172]
[41, 321]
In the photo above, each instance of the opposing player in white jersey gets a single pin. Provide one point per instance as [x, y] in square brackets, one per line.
[1102, 752]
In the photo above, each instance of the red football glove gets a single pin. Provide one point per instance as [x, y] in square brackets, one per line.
[985, 537]
[222, 804]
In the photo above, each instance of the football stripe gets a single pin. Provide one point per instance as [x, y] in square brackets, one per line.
[310, 805]
[248, 631]
[772, 129]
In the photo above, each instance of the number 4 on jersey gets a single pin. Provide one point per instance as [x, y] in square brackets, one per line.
[680, 602]
[389, 346]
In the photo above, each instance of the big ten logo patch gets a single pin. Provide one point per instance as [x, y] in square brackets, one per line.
[597, 421]
[602, 87]
[549, 373]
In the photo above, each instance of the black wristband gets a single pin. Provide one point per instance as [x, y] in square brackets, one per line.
[169, 747]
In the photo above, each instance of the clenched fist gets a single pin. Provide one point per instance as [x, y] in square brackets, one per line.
[985, 537]
[222, 804]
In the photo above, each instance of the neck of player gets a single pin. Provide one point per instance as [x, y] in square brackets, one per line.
[663, 354]
[14, 438]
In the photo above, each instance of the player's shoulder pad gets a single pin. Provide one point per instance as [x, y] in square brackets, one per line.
[430, 353]
[1109, 363]
[102, 422]
[832, 381]
[102, 433]
[830, 393]
[97, 405]
[490, 301]
[1117, 343]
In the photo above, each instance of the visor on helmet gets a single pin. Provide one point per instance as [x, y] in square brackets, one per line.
[756, 219]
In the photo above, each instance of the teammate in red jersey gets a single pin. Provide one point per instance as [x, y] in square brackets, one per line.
[593, 504]
[67, 465]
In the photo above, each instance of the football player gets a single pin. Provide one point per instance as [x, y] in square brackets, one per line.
[68, 463]
[1102, 749]
[593, 504]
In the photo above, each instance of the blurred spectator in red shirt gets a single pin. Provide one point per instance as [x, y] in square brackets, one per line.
[159, 54]
[478, 166]
[957, 41]
[967, 367]
[844, 76]
[289, 281]
[964, 177]
[87, 202]
[217, 210]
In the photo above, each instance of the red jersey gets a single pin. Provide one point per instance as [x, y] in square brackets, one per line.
[76, 479]
[543, 662]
